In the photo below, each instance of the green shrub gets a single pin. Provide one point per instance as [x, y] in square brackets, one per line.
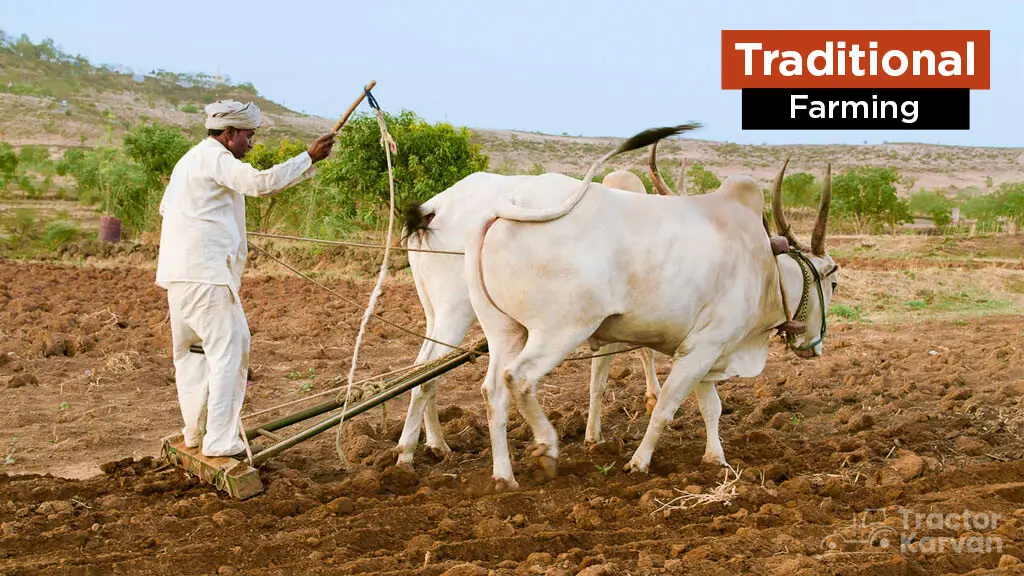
[800, 189]
[8, 161]
[702, 180]
[259, 211]
[34, 157]
[157, 148]
[430, 158]
[60, 232]
[867, 196]
[20, 226]
[934, 205]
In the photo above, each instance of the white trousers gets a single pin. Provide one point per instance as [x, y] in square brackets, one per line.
[214, 382]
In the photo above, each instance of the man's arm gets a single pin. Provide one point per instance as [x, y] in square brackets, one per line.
[232, 173]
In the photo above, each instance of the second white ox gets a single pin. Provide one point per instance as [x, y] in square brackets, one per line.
[441, 286]
[694, 277]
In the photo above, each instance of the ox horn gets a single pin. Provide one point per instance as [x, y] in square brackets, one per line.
[781, 224]
[659, 183]
[818, 238]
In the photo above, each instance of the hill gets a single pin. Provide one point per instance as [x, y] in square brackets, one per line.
[923, 165]
[52, 98]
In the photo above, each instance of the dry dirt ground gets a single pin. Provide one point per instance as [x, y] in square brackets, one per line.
[914, 418]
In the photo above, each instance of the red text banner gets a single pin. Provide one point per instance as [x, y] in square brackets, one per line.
[855, 59]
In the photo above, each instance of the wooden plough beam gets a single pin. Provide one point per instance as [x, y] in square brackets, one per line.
[242, 480]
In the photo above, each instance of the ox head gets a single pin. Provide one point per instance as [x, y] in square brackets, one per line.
[808, 278]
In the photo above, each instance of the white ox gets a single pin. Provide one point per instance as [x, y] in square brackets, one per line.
[441, 286]
[562, 262]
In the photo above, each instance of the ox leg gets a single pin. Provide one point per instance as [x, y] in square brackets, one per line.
[414, 417]
[711, 410]
[599, 368]
[543, 351]
[688, 369]
[502, 349]
[653, 386]
[452, 329]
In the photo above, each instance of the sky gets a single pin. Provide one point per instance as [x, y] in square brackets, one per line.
[579, 67]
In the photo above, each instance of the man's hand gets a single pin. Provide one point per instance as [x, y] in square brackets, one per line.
[321, 147]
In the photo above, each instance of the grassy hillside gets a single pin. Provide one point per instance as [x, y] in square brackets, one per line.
[49, 97]
[923, 165]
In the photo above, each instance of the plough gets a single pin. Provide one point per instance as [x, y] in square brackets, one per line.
[241, 479]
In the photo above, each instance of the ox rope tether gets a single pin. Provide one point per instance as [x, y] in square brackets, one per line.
[388, 143]
[810, 277]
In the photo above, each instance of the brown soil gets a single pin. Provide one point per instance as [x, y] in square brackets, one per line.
[917, 263]
[926, 417]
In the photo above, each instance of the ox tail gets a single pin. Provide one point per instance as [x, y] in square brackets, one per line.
[415, 220]
[474, 264]
[510, 211]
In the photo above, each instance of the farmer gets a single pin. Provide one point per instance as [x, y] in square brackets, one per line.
[203, 251]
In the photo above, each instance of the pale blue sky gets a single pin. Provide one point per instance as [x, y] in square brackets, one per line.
[590, 67]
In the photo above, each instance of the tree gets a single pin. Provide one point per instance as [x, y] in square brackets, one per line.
[261, 157]
[800, 189]
[8, 163]
[934, 205]
[703, 180]
[83, 170]
[157, 148]
[1010, 198]
[867, 195]
[34, 156]
[123, 187]
[430, 158]
[128, 189]
[984, 209]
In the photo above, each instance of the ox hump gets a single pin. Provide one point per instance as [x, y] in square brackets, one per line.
[745, 190]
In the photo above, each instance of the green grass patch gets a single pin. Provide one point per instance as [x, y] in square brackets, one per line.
[845, 312]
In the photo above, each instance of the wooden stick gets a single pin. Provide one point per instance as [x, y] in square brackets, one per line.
[352, 108]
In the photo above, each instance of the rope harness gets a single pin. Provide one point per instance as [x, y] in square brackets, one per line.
[388, 143]
[810, 275]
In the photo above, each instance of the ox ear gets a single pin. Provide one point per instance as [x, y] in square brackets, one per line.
[779, 245]
[793, 327]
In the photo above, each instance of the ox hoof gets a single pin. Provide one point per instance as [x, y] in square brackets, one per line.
[403, 457]
[440, 452]
[547, 464]
[635, 467]
[651, 402]
[505, 484]
[548, 467]
[591, 443]
[712, 461]
[543, 450]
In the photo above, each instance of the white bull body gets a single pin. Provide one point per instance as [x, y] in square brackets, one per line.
[692, 277]
[441, 286]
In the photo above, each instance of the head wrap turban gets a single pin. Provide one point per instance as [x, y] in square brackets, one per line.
[231, 114]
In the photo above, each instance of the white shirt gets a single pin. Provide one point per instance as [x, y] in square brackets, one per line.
[202, 237]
